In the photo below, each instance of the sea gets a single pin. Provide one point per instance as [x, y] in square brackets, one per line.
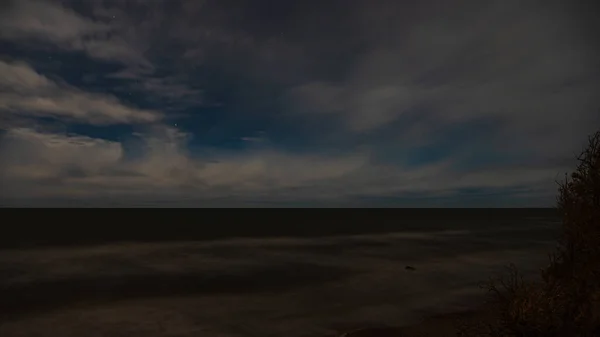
[315, 275]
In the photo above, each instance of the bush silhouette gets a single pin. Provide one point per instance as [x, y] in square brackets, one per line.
[566, 301]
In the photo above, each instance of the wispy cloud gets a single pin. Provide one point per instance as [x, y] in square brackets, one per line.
[53, 23]
[40, 164]
[525, 68]
[26, 92]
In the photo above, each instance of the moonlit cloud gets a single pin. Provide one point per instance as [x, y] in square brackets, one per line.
[29, 93]
[85, 165]
[42, 164]
[204, 99]
[51, 22]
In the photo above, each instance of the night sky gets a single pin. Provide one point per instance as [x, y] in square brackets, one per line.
[299, 103]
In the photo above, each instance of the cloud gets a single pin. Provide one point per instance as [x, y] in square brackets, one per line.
[440, 100]
[36, 156]
[37, 163]
[26, 92]
[32, 155]
[525, 69]
[48, 21]
[19, 77]
[108, 33]
[52, 23]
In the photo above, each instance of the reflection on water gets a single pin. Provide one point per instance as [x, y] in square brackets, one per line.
[286, 286]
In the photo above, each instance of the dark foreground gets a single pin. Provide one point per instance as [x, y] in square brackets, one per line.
[295, 281]
[80, 227]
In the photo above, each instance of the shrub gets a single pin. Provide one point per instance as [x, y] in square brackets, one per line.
[566, 301]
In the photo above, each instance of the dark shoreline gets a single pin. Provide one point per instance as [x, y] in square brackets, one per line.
[433, 325]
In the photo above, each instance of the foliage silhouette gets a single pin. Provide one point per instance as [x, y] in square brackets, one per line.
[566, 301]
